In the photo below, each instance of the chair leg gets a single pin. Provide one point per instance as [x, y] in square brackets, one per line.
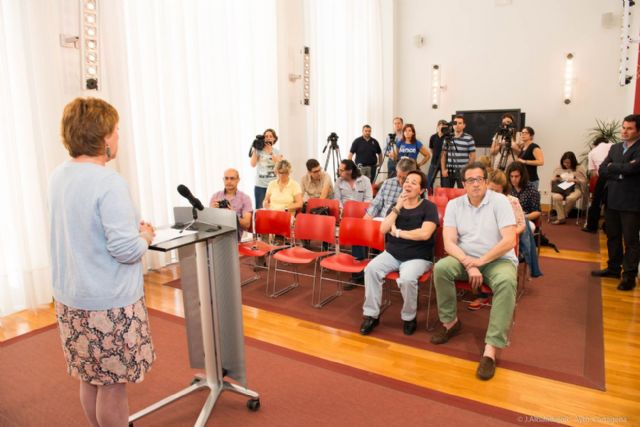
[252, 278]
[322, 302]
[386, 296]
[432, 327]
[276, 293]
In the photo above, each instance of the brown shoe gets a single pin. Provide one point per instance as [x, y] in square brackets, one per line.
[442, 335]
[486, 368]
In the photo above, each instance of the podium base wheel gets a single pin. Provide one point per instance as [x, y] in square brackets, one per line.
[253, 404]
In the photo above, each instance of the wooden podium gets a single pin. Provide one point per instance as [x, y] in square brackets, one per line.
[210, 279]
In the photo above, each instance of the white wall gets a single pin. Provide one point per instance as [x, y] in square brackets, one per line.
[512, 56]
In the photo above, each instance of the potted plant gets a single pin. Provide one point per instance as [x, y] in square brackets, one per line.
[603, 129]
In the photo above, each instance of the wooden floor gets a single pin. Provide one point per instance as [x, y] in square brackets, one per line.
[536, 396]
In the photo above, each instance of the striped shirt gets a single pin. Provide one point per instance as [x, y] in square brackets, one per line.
[387, 197]
[459, 151]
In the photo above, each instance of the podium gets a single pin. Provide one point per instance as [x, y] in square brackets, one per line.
[210, 279]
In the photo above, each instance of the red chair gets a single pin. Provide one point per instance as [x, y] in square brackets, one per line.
[353, 232]
[266, 222]
[307, 227]
[449, 193]
[353, 209]
[332, 204]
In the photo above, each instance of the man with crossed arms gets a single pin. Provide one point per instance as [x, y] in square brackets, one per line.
[479, 234]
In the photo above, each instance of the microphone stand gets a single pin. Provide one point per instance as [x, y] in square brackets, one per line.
[194, 214]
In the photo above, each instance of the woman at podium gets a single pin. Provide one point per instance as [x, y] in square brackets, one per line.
[97, 243]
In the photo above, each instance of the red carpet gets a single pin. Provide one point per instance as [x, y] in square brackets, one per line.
[295, 390]
[568, 236]
[557, 334]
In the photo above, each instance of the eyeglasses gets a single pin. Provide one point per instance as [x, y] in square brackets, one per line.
[474, 181]
[230, 178]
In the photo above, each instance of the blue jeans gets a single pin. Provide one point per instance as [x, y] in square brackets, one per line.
[259, 193]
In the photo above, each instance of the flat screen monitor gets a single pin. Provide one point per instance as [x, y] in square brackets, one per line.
[483, 124]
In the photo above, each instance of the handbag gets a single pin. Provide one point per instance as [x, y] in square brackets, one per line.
[320, 210]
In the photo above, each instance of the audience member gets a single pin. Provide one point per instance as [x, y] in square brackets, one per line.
[368, 153]
[97, 244]
[265, 161]
[410, 147]
[283, 193]
[599, 152]
[409, 229]
[569, 172]
[531, 155]
[479, 234]
[435, 145]
[457, 154]
[234, 199]
[316, 184]
[526, 193]
[388, 194]
[621, 169]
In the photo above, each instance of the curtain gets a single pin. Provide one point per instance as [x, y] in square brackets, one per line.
[345, 38]
[29, 149]
[194, 83]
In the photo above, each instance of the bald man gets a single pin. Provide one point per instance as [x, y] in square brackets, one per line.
[232, 198]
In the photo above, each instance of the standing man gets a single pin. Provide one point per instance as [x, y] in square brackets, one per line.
[435, 145]
[316, 184]
[457, 154]
[479, 234]
[368, 153]
[601, 147]
[621, 169]
[392, 146]
[390, 190]
[234, 199]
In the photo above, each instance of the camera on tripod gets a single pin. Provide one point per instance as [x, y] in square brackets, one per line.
[506, 131]
[447, 129]
[257, 144]
[332, 140]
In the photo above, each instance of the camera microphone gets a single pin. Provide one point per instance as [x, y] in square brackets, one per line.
[186, 193]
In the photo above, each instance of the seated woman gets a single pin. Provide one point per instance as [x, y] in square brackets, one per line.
[568, 172]
[283, 193]
[526, 193]
[410, 228]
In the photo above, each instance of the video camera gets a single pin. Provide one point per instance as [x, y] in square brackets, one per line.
[258, 144]
[447, 129]
[332, 140]
[506, 132]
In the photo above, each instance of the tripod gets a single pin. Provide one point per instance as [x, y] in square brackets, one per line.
[333, 156]
[392, 144]
[505, 152]
[453, 173]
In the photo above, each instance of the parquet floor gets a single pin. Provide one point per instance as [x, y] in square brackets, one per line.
[536, 396]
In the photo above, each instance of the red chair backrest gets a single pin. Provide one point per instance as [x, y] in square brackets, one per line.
[332, 204]
[452, 193]
[440, 192]
[353, 209]
[439, 244]
[439, 200]
[361, 232]
[315, 227]
[273, 222]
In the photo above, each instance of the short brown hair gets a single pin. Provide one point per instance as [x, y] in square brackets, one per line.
[499, 178]
[86, 122]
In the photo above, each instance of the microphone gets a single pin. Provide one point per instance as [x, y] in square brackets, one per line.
[186, 193]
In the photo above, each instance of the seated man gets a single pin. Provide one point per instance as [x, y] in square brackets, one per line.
[316, 184]
[391, 188]
[232, 198]
[479, 234]
[409, 227]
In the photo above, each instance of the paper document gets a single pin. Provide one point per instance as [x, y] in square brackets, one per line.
[566, 184]
[166, 234]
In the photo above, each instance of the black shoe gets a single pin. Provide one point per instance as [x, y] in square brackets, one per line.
[368, 324]
[606, 273]
[348, 287]
[410, 326]
[627, 283]
[357, 278]
[589, 230]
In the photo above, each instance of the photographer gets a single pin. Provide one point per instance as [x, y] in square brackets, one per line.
[456, 153]
[506, 144]
[234, 199]
[264, 156]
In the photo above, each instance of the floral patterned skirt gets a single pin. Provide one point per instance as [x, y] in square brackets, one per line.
[104, 347]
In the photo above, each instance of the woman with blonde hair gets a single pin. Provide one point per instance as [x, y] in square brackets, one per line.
[283, 193]
[97, 243]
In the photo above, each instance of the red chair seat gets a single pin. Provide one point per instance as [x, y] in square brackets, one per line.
[394, 275]
[256, 248]
[298, 255]
[344, 263]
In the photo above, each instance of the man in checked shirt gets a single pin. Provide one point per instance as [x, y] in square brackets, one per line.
[390, 190]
